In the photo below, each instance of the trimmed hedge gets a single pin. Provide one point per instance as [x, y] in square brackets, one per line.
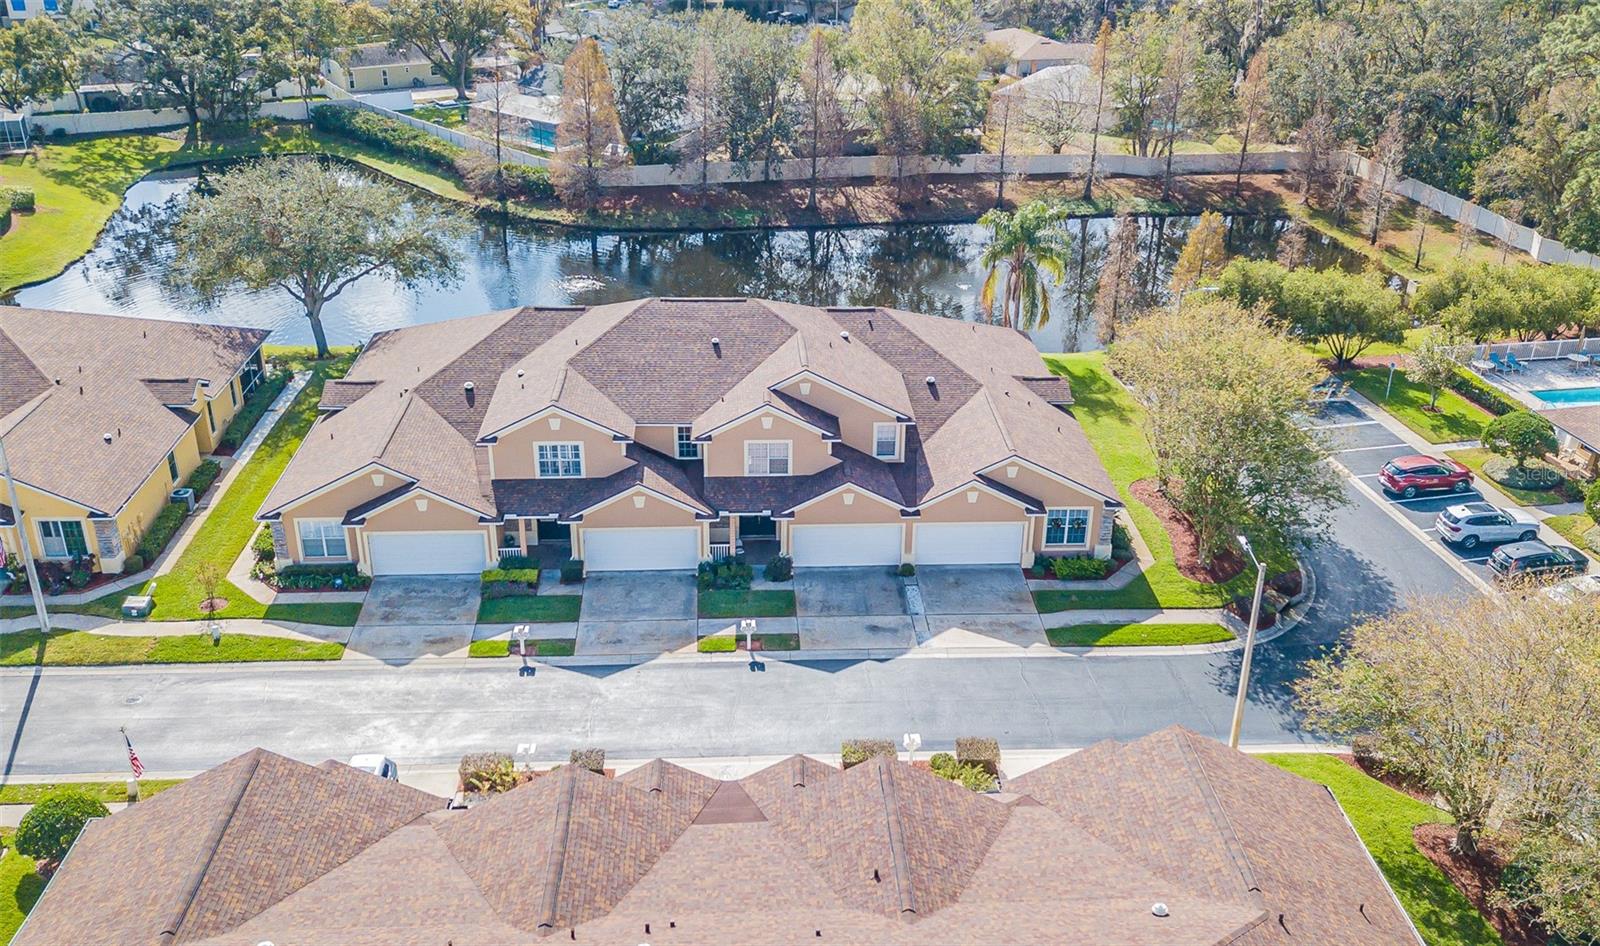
[856, 751]
[322, 578]
[160, 533]
[261, 397]
[780, 568]
[1483, 394]
[572, 571]
[203, 476]
[262, 546]
[15, 199]
[980, 751]
[509, 582]
[517, 561]
[395, 137]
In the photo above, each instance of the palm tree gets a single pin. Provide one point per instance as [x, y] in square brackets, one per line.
[1032, 245]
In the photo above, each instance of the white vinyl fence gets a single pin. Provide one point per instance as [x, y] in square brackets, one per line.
[1531, 351]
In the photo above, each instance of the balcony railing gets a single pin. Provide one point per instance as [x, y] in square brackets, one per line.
[513, 550]
[721, 550]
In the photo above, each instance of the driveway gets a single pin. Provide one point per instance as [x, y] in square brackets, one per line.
[983, 606]
[852, 609]
[637, 613]
[407, 618]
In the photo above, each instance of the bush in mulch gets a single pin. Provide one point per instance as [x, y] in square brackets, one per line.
[592, 759]
[487, 773]
[1185, 547]
[1288, 584]
[856, 751]
[1480, 879]
[968, 774]
[1240, 608]
[509, 582]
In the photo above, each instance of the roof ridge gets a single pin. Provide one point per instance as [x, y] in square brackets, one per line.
[1219, 814]
[406, 400]
[999, 422]
[897, 841]
[172, 929]
[556, 856]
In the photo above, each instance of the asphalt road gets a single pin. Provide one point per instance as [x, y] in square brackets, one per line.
[57, 721]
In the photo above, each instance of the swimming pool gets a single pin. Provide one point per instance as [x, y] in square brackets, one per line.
[1569, 395]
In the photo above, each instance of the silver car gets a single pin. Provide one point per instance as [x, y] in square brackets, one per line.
[1468, 524]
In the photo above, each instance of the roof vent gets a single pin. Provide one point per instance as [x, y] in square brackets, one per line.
[715, 340]
[520, 372]
[467, 386]
[931, 380]
[1159, 909]
[845, 335]
[106, 437]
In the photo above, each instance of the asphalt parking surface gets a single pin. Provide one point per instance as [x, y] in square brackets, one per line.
[1362, 446]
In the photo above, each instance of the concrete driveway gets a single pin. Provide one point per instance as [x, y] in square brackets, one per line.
[852, 609]
[407, 618]
[637, 613]
[980, 606]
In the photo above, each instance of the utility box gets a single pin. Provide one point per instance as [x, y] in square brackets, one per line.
[184, 495]
[138, 606]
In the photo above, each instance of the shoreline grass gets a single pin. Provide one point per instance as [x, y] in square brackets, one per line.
[1137, 635]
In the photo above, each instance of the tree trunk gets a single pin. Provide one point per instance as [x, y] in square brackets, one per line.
[1466, 841]
[314, 316]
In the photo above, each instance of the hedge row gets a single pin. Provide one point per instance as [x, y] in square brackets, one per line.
[260, 398]
[16, 199]
[320, 577]
[1481, 393]
[396, 137]
[161, 531]
[203, 476]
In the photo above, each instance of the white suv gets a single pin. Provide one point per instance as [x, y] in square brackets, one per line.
[1468, 524]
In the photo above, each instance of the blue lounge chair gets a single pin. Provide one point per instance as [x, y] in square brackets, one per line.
[1497, 363]
[1513, 363]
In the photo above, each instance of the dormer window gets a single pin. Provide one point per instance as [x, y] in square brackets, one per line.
[886, 441]
[560, 460]
[687, 448]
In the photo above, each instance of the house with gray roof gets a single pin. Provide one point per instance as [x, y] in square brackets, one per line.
[659, 433]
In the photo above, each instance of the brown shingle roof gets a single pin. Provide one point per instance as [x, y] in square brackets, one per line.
[67, 379]
[1238, 850]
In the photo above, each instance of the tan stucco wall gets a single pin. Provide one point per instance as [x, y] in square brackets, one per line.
[988, 508]
[660, 439]
[855, 418]
[333, 505]
[438, 517]
[622, 513]
[833, 510]
[514, 452]
[369, 78]
[808, 454]
[223, 410]
[152, 497]
[1055, 495]
[36, 506]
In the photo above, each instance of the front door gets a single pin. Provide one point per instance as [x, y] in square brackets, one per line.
[552, 532]
[757, 527]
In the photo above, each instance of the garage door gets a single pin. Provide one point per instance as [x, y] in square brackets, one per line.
[641, 550]
[824, 546]
[969, 543]
[426, 553]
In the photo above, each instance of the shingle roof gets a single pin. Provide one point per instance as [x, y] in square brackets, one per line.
[1239, 851]
[695, 362]
[1026, 45]
[67, 379]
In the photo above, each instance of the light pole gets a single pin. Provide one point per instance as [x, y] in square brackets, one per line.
[1390, 386]
[1249, 644]
[24, 552]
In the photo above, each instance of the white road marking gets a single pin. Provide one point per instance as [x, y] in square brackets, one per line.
[1353, 423]
[1432, 496]
[1387, 505]
[1381, 446]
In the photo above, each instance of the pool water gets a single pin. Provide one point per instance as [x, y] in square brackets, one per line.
[1590, 395]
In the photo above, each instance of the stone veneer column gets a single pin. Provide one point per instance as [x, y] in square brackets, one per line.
[108, 540]
[280, 541]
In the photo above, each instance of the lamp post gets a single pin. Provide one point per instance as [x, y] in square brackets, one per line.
[23, 551]
[1249, 644]
[1390, 386]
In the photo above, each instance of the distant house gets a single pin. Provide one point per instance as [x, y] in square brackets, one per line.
[1069, 87]
[531, 118]
[375, 67]
[1029, 52]
[15, 11]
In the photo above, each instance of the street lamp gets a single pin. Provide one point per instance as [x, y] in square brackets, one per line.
[24, 552]
[1249, 643]
[1390, 386]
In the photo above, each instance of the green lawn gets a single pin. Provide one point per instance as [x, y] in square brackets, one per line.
[447, 116]
[1378, 349]
[27, 793]
[529, 609]
[224, 534]
[1572, 528]
[20, 887]
[558, 647]
[1384, 819]
[767, 603]
[1110, 417]
[1476, 457]
[83, 649]
[1456, 419]
[1136, 635]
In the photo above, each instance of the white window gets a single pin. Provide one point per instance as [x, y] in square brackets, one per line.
[766, 458]
[1066, 527]
[560, 460]
[62, 538]
[687, 448]
[322, 538]
[886, 441]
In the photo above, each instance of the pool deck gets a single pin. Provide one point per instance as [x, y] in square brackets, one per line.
[1548, 374]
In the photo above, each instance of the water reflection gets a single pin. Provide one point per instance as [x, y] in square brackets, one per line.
[924, 268]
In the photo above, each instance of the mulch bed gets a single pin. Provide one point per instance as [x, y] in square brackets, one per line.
[1185, 549]
[1033, 574]
[1388, 778]
[1477, 878]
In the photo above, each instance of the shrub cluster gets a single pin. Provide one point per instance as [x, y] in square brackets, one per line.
[1072, 569]
[780, 568]
[487, 773]
[970, 775]
[981, 751]
[262, 546]
[857, 751]
[343, 577]
[15, 199]
[592, 759]
[132, 564]
[513, 182]
[395, 137]
[506, 582]
[203, 476]
[1481, 393]
[518, 561]
[261, 397]
[161, 531]
[1121, 543]
[731, 574]
[47, 831]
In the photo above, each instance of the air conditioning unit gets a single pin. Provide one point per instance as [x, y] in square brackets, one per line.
[183, 495]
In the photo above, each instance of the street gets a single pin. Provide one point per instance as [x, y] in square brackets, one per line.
[64, 720]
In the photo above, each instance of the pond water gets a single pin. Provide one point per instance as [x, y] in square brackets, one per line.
[923, 268]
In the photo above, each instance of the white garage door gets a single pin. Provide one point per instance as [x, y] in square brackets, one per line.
[822, 546]
[641, 550]
[969, 543]
[426, 553]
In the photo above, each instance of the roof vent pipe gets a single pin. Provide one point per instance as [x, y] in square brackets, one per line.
[520, 372]
[106, 437]
[931, 380]
[845, 335]
[1159, 909]
[715, 340]
[467, 386]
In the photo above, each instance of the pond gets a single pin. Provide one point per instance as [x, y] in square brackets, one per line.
[923, 268]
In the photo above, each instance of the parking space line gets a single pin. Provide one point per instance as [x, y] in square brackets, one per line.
[1353, 423]
[1381, 446]
[1424, 499]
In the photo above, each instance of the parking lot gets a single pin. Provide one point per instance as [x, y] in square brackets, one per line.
[1362, 446]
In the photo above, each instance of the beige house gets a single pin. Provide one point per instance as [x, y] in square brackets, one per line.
[655, 434]
[103, 416]
[376, 67]
[1029, 52]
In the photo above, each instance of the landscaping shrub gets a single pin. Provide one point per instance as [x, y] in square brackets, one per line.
[1079, 569]
[592, 759]
[780, 568]
[971, 776]
[1520, 436]
[1481, 393]
[729, 574]
[513, 182]
[15, 199]
[395, 137]
[857, 751]
[343, 577]
[260, 398]
[980, 751]
[48, 829]
[1591, 501]
[262, 546]
[518, 561]
[907, 570]
[572, 571]
[487, 773]
[132, 564]
[1121, 543]
[1288, 583]
[203, 476]
[167, 524]
[524, 182]
[717, 644]
[506, 582]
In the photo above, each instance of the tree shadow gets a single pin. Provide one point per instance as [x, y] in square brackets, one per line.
[102, 168]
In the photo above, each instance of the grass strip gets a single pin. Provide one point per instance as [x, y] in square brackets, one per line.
[557, 647]
[85, 649]
[1455, 419]
[27, 793]
[20, 886]
[763, 603]
[530, 609]
[1136, 635]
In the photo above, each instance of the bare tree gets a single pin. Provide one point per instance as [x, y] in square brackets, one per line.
[1314, 142]
[706, 114]
[1466, 233]
[1252, 100]
[1118, 289]
[1387, 154]
[1054, 109]
[1100, 64]
[1000, 124]
[1292, 245]
[589, 138]
[822, 122]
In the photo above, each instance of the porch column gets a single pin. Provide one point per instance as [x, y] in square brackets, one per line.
[522, 534]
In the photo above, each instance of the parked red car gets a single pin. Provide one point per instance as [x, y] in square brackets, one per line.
[1418, 473]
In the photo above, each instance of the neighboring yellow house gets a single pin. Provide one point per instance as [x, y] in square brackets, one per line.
[376, 67]
[655, 434]
[103, 416]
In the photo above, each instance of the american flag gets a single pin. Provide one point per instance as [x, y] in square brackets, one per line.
[133, 757]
